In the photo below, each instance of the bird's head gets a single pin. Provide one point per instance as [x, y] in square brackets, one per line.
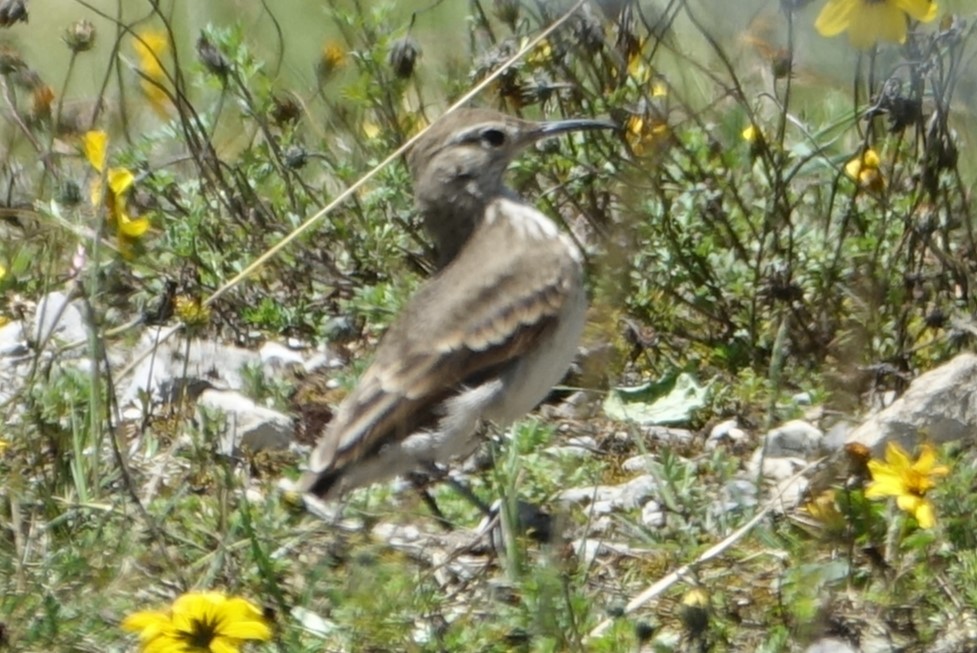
[458, 164]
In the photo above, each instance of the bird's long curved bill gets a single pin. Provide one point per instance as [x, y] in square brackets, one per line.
[557, 127]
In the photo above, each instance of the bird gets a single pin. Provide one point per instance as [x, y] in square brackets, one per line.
[484, 339]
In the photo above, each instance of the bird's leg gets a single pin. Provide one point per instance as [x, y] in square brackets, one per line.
[433, 474]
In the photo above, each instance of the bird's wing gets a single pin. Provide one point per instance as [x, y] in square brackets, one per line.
[461, 328]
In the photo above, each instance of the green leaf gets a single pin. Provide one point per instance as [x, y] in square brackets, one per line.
[672, 400]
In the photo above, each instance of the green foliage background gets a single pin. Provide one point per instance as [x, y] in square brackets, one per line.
[760, 265]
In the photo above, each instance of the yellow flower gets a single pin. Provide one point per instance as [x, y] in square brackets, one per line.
[870, 21]
[191, 311]
[333, 58]
[750, 134]
[541, 54]
[644, 131]
[370, 129]
[94, 144]
[644, 76]
[907, 481]
[865, 170]
[119, 181]
[199, 622]
[3, 271]
[151, 46]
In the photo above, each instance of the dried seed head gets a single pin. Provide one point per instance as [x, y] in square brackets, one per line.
[191, 311]
[296, 157]
[285, 111]
[12, 11]
[212, 58]
[80, 36]
[403, 56]
[589, 32]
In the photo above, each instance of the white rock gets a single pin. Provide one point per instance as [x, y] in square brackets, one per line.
[276, 356]
[578, 405]
[171, 368]
[830, 645]
[802, 399]
[939, 406]
[796, 438]
[668, 435]
[737, 494]
[59, 318]
[578, 447]
[322, 360]
[836, 436]
[788, 493]
[297, 343]
[588, 549]
[640, 463]
[775, 468]
[652, 515]
[726, 432]
[625, 496]
[247, 424]
[12, 343]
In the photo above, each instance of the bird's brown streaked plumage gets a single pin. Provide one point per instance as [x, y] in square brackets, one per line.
[486, 337]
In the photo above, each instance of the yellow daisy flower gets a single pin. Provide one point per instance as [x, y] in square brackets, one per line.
[870, 21]
[864, 169]
[199, 622]
[331, 59]
[644, 132]
[907, 481]
[119, 181]
[151, 46]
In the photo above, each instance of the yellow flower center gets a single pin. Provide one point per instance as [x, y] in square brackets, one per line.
[916, 482]
[202, 636]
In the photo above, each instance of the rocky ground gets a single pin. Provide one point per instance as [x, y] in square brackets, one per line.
[599, 526]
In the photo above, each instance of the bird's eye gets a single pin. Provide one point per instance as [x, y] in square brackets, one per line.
[493, 137]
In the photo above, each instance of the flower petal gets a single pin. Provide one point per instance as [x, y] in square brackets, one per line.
[926, 463]
[246, 629]
[94, 145]
[922, 10]
[834, 17]
[897, 457]
[120, 180]
[132, 227]
[886, 481]
[890, 23]
[225, 645]
[149, 620]
[924, 514]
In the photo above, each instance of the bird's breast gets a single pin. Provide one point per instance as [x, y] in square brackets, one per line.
[529, 224]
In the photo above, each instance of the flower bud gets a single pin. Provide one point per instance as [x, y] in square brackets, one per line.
[212, 58]
[80, 36]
